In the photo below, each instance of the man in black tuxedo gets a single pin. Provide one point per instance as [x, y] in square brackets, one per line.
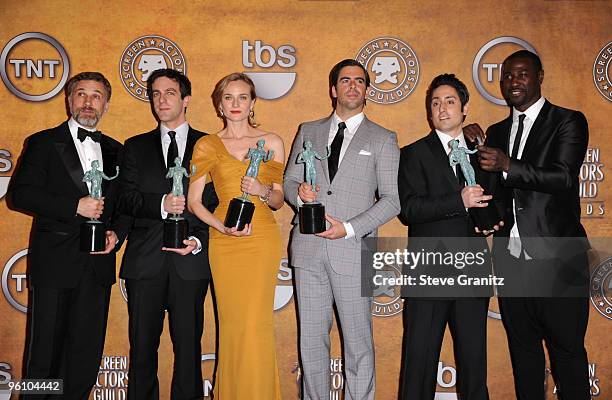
[69, 289]
[158, 278]
[434, 204]
[537, 153]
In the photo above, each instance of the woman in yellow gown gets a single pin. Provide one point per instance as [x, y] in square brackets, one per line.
[245, 263]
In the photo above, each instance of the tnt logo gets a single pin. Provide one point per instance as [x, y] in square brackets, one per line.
[269, 85]
[14, 282]
[34, 66]
[486, 69]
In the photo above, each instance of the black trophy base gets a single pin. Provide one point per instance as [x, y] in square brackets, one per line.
[93, 236]
[485, 218]
[312, 218]
[239, 213]
[175, 231]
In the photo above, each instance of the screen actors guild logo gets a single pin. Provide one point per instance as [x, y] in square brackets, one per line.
[386, 300]
[486, 69]
[601, 288]
[601, 71]
[145, 55]
[34, 66]
[394, 67]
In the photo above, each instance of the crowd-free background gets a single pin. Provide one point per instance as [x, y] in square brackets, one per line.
[292, 45]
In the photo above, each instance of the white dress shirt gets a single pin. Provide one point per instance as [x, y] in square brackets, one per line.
[88, 150]
[181, 139]
[352, 124]
[514, 244]
[445, 139]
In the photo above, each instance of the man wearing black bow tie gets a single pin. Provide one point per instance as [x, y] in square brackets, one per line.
[69, 288]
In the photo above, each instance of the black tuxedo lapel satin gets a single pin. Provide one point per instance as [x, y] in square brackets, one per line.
[69, 156]
[439, 154]
[539, 133]
[321, 141]
[110, 161]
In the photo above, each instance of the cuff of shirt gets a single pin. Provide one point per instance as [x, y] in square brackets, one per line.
[198, 247]
[300, 203]
[350, 232]
[164, 214]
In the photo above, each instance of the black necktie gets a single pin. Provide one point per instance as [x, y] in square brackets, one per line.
[172, 150]
[334, 157]
[82, 134]
[517, 138]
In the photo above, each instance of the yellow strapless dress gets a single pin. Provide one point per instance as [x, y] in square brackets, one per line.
[244, 271]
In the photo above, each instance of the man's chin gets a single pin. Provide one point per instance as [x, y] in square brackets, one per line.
[87, 122]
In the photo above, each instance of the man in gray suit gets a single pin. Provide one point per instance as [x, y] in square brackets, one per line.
[358, 187]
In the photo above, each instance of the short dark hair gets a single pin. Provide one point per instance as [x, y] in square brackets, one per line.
[449, 80]
[180, 78]
[334, 74]
[88, 76]
[537, 62]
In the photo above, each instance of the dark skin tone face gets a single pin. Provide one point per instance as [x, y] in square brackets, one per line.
[521, 82]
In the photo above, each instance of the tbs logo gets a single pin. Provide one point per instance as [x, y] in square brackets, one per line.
[269, 85]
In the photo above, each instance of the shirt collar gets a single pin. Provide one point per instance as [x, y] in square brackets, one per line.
[74, 126]
[351, 124]
[181, 131]
[445, 138]
[532, 112]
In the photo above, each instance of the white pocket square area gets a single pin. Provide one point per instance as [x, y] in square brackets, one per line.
[364, 153]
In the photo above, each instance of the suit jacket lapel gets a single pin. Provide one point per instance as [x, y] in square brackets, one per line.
[110, 161]
[322, 137]
[439, 154]
[69, 156]
[191, 140]
[537, 135]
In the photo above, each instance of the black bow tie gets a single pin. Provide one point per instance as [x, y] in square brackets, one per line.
[83, 133]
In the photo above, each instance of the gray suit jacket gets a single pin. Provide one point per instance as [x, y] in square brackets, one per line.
[363, 193]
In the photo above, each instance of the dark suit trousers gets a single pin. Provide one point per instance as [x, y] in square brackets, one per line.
[147, 302]
[562, 324]
[424, 325]
[67, 331]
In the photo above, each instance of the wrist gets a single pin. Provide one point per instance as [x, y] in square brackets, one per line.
[266, 196]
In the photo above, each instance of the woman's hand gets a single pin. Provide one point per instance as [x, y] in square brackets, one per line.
[252, 186]
[235, 232]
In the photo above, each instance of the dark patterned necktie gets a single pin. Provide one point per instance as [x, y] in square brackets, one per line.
[334, 157]
[172, 150]
[517, 138]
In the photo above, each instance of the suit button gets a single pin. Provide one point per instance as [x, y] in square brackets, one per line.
[329, 192]
[519, 209]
